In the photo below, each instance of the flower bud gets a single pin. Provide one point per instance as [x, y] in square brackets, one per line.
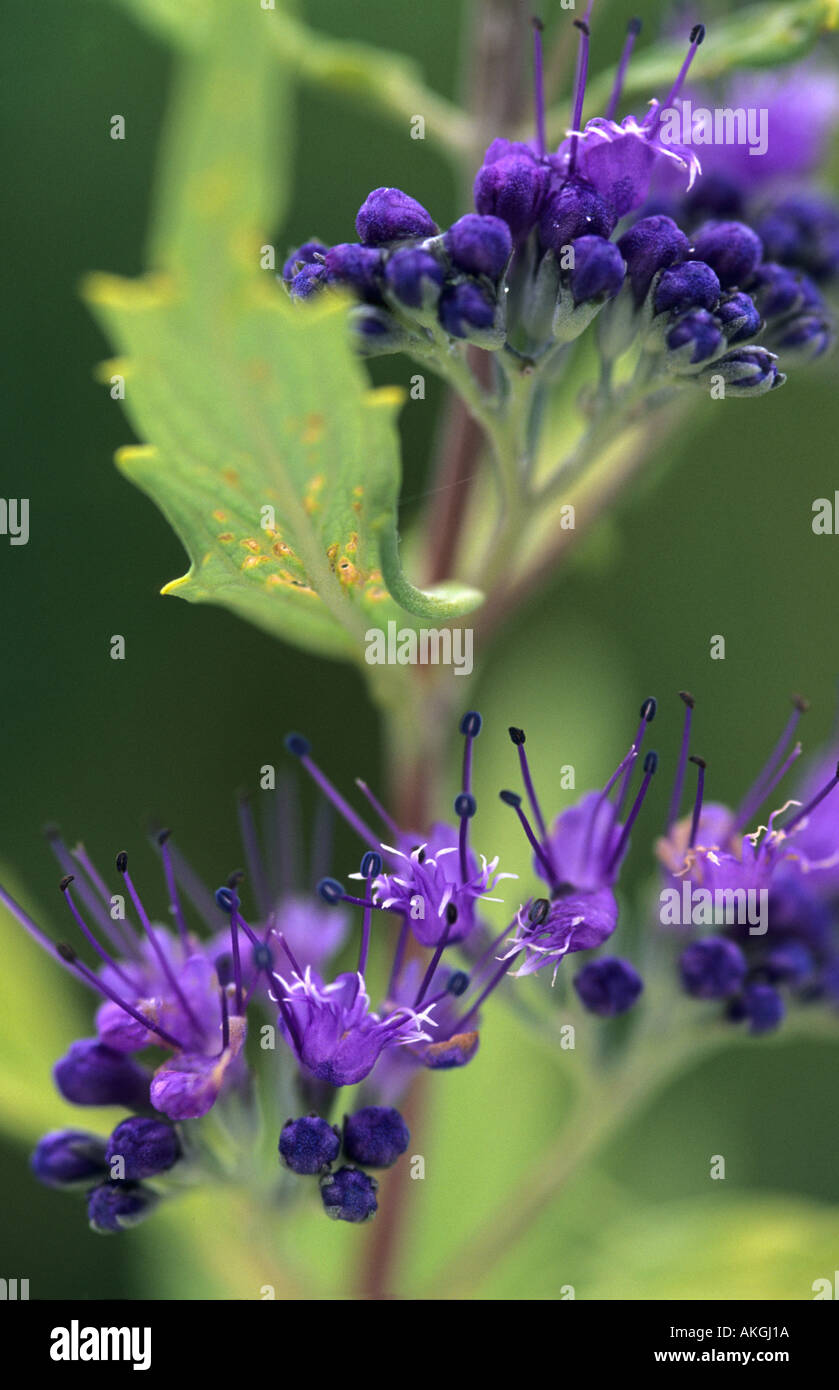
[145, 1145]
[598, 269]
[651, 245]
[94, 1074]
[116, 1206]
[807, 337]
[349, 1195]
[479, 245]
[388, 214]
[310, 253]
[739, 317]
[608, 986]
[573, 210]
[761, 1006]
[747, 371]
[695, 337]
[308, 280]
[414, 277]
[309, 1145]
[512, 188]
[731, 249]
[712, 968]
[693, 285]
[359, 268]
[466, 311]
[375, 1136]
[69, 1158]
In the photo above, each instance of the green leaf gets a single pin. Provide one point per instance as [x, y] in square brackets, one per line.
[263, 445]
[757, 36]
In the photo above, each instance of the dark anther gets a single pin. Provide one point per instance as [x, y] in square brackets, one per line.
[65, 882]
[122, 862]
[517, 735]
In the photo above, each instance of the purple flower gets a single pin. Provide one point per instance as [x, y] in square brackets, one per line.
[310, 253]
[696, 336]
[693, 285]
[308, 280]
[332, 1030]
[309, 1145]
[146, 1147]
[466, 310]
[414, 277]
[117, 1206]
[375, 1136]
[359, 268]
[712, 968]
[598, 271]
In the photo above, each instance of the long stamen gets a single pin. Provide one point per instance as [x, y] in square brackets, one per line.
[172, 888]
[383, 815]
[514, 800]
[225, 1020]
[299, 747]
[650, 765]
[539, 86]
[195, 889]
[633, 29]
[122, 867]
[648, 712]
[398, 956]
[624, 763]
[451, 918]
[253, 855]
[811, 805]
[64, 888]
[579, 83]
[371, 867]
[697, 34]
[470, 727]
[494, 981]
[35, 931]
[518, 738]
[465, 807]
[697, 805]
[119, 933]
[676, 798]
[68, 954]
[234, 946]
[759, 790]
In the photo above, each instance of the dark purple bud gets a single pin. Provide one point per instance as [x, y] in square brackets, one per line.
[465, 310]
[310, 253]
[69, 1158]
[116, 1206]
[693, 285]
[713, 968]
[357, 267]
[747, 371]
[651, 245]
[803, 230]
[479, 245]
[146, 1146]
[573, 210]
[457, 983]
[308, 281]
[608, 986]
[598, 269]
[792, 962]
[739, 317]
[414, 277]
[375, 1136]
[349, 1195]
[309, 1145]
[93, 1074]
[777, 290]
[808, 336]
[512, 187]
[376, 331]
[714, 195]
[731, 249]
[698, 330]
[388, 214]
[761, 1006]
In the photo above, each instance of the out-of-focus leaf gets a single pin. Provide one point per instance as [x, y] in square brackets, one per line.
[755, 37]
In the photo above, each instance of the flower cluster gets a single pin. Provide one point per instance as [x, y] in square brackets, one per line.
[616, 222]
[773, 890]
[192, 995]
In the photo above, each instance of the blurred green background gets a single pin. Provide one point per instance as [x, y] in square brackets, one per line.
[717, 540]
